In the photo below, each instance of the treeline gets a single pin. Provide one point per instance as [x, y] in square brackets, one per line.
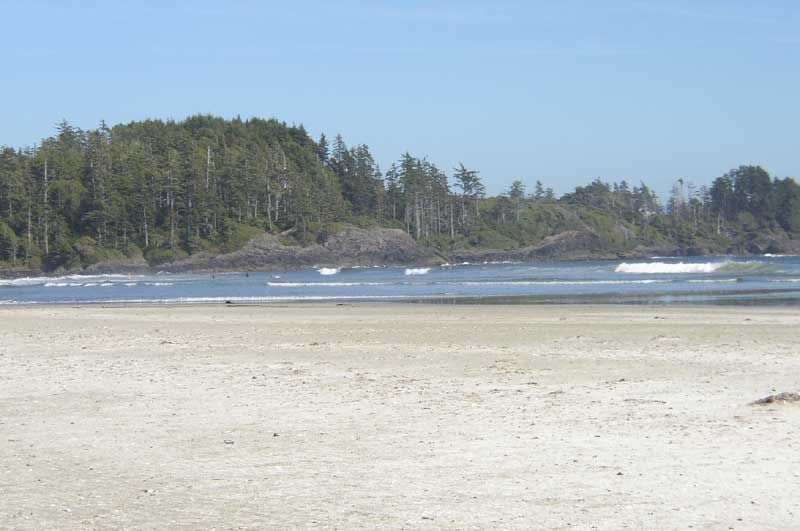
[738, 208]
[169, 189]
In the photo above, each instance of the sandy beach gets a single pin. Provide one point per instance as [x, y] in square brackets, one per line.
[385, 416]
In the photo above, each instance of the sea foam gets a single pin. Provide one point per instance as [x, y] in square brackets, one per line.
[328, 270]
[418, 271]
[647, 268]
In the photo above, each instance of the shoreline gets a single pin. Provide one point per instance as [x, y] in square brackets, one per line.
[656, 299]
[139, 269]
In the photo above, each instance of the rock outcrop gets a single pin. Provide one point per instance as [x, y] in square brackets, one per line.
[350, 246]
[574, 244]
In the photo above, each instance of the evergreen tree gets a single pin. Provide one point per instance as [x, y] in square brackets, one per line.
[323, 151]
[166, 189]
[517, 194]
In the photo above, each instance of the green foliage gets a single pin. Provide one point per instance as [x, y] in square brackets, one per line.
[8, 243]
[209, 185]
[237, 237]
[159, 255]
[89, 253]
[61, 256]
[491, 239]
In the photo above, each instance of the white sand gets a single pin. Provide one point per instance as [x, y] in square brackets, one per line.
[398, 417]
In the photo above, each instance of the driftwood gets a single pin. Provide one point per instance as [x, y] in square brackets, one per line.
[781, 398]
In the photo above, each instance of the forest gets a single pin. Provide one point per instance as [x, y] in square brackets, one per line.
[164, 190]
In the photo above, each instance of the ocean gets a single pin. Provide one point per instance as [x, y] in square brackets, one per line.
[764, 280]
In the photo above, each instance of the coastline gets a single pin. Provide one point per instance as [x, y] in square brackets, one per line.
[397, 416]
[115, 268]
[390, 247]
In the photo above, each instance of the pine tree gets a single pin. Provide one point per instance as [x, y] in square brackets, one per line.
[517, 195]
[323, 152]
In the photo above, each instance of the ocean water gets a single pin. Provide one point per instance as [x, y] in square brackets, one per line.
[769, 280]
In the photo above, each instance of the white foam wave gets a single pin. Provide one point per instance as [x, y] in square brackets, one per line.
[418, 271]
[647, 268]
[328, 270]
[52, 281]
[83, 284]
[21, 282]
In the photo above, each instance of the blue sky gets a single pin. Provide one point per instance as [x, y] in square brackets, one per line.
[561, 90]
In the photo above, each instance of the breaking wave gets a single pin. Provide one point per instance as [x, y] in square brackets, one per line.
[328, 270]
[648, 268]
[79, 281]
[418, 271]
[55, 281]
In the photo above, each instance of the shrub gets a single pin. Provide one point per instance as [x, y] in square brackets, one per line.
[161, 255]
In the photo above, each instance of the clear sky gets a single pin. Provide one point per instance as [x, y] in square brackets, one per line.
[561, 90]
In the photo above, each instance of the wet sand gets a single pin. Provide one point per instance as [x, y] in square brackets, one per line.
[398, 417]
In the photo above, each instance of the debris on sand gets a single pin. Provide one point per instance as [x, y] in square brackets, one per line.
[643, 401]
[779, 398]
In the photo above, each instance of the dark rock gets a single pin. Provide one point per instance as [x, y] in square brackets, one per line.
[376, 246]
[350, 246]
